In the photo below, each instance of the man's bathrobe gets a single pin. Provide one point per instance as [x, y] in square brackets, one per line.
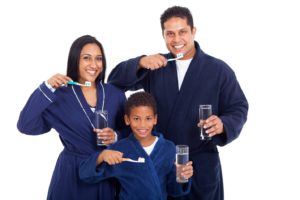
[208, 80]
[152, 180]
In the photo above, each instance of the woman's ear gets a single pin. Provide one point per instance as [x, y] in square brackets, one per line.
[126, 119]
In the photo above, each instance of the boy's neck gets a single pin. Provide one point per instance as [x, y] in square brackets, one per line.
[147, 141]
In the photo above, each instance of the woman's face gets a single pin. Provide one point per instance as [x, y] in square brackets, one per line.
[90, 63]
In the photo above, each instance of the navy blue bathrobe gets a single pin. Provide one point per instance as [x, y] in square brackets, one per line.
[61, 111]
[151, 180]
[207, 81]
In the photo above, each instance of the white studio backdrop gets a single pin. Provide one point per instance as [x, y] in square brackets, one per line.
[259, 39]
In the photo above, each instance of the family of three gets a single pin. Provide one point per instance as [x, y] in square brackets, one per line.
[147, 125]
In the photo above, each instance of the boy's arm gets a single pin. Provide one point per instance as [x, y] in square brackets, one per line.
[176, 189]
[97, 166]
[110, 156]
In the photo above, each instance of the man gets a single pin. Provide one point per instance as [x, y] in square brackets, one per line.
[179, 87]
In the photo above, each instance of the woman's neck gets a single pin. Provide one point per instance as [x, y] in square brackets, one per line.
[90, 95]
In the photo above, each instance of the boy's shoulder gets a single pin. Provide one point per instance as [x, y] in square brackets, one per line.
[122, 143]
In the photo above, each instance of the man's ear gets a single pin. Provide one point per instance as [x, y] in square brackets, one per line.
[126, 119]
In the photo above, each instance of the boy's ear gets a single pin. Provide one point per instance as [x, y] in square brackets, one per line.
[155, 119]
[126, 119]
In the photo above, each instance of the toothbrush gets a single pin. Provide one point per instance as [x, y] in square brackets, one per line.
[87, 83]
[139, 160]
[178, 56]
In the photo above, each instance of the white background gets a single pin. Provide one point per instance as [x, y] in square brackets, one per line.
[259, 39]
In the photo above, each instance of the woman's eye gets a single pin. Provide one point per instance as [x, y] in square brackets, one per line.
[86, 58]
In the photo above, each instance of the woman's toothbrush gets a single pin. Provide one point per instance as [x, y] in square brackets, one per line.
[87, 83]
[178, 56]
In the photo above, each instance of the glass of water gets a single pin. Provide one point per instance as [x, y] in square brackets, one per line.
[101, 121]
[205, 111]
[182, 158]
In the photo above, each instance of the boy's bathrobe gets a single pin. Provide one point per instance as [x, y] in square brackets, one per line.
[61, 111]
[152, 180]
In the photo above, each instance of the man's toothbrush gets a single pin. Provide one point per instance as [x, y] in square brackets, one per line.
[87, 83]
[178, 56]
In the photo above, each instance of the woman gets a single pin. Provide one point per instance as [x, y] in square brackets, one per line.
[69, 109]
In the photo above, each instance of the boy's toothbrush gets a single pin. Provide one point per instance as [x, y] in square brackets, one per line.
[87, 83]
[178, 56]
[139, 160]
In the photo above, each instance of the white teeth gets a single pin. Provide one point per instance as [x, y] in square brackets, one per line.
[143, 131]
[178, 46]
[91, 72]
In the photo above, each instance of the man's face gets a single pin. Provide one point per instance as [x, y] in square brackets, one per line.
[179, 37]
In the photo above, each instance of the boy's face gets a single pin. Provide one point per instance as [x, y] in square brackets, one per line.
[141, 121]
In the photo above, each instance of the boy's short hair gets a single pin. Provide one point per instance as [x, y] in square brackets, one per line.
[140, 99]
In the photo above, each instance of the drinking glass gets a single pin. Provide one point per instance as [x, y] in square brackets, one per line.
[182, 157]
[101, 121]
[205, 111]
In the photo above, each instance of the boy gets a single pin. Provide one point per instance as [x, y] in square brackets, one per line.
[153, 176]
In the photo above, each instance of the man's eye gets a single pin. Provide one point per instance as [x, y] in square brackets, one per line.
[182, 32]
[169, 34]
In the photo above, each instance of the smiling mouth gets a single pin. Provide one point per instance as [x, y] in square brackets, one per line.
[178, 46]
[91, 72]
[142, 131]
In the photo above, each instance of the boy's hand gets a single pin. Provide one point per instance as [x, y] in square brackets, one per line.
[187, 170]
[110, 156]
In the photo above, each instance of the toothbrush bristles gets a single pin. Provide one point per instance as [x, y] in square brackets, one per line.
[179, 55]
[88, 83]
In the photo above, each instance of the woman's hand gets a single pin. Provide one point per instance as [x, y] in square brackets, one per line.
[58, 80]
[107, 135]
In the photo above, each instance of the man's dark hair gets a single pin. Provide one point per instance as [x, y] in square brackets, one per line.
[177, 11]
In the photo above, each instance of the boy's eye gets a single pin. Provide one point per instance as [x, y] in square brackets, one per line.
[149, 118]
[135, 118]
